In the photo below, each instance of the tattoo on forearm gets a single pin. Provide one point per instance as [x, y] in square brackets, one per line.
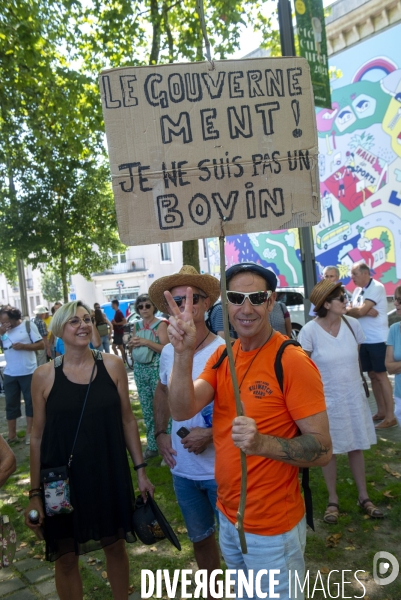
[304, 448]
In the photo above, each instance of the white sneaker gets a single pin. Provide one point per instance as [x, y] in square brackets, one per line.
[28, 439]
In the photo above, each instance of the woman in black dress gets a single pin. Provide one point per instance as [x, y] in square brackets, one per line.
[102, 495]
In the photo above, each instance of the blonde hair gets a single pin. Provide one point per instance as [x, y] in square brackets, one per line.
[64, 314]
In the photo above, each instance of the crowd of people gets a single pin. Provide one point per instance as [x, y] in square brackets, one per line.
[79, 415]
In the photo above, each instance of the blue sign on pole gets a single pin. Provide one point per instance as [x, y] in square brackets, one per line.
[73, 297]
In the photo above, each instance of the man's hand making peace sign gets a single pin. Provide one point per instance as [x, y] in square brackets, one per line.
[182, 330]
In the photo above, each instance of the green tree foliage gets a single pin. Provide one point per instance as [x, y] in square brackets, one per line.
[55, 195]
[56, 205]
[51, 285]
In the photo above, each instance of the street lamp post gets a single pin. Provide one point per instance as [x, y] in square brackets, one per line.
[305, 233]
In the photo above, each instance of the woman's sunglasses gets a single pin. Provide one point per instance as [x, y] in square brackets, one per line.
[341, 298]
[196, 297]
[255, 298]
[142, 306]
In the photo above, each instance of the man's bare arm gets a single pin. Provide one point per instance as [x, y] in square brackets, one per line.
[312, 448]
[367, 309]
[161, 413]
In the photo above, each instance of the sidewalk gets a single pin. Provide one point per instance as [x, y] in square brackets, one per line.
[30, 577]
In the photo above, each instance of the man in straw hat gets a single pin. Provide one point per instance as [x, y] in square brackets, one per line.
[190, 456]
[279, 432]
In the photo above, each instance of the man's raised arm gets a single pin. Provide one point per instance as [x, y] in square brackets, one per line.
[185, 397]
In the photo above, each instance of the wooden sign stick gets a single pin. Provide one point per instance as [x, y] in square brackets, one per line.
[244, 474]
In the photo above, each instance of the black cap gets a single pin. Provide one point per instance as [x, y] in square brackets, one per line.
[150, 525]
[267, 275]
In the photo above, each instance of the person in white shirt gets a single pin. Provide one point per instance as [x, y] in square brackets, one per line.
[369, 305]
[189, 450]
[20, 341]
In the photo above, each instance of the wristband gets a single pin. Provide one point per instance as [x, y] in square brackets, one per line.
[141, 466]
[34, 494]
[159, 433]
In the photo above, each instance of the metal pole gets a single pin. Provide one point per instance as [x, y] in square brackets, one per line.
[22, 287]
[305, 233]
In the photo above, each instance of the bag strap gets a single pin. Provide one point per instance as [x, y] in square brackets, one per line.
[28, 329]
[278, 367]
[82, 412]
[281, 306]
[359, 358]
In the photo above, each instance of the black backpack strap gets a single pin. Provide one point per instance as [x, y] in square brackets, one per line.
[307, 497]
[278, 368]
[223, 355]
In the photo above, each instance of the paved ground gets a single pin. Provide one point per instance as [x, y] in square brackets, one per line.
[30, 577]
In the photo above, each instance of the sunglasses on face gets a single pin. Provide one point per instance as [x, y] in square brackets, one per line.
[340, 298]
[397, 299]
[255, 298]
[195, 299]
[142, 306]
[76, 321]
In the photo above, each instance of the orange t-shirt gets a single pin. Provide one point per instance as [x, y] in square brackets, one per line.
[274, 503]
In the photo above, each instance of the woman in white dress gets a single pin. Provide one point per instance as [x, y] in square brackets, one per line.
[334, 348]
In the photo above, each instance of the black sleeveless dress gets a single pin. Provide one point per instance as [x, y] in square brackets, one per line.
[101, 487]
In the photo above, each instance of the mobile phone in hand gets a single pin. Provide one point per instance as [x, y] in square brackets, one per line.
[183, 432]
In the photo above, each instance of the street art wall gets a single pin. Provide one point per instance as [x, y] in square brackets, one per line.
[360, 175]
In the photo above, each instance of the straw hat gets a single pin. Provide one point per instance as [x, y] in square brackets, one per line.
[321, 290]
[189, 276]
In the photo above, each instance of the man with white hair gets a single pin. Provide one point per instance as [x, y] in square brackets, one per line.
[369, 305]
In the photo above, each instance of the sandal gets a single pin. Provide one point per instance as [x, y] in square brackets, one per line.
[377, 417]
[372, 510]
[331, 516]
[12, 441]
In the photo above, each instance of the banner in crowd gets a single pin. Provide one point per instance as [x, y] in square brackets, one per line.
[313, 46]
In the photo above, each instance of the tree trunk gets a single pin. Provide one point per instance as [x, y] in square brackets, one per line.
[190, 253]
[155, 18]
[63, 273]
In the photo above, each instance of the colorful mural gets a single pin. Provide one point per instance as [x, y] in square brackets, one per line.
[360, 174]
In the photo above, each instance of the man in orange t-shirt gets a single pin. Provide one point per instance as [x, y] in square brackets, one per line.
[279, 432]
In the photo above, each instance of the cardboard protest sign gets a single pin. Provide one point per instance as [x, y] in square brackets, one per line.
[194, 147]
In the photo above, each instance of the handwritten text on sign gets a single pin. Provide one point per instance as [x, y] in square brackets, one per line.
[193, 147]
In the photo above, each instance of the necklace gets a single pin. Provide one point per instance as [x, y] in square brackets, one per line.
[204, 340]
[251, 363]
[328, 329]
